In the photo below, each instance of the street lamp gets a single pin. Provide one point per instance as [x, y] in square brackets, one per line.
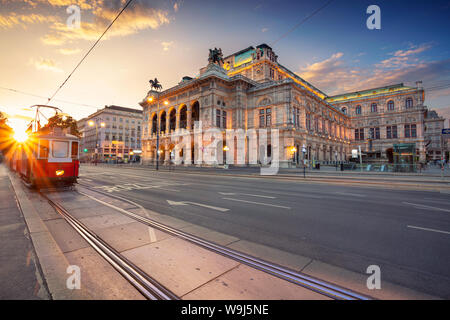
[225, 148]
[335, 158]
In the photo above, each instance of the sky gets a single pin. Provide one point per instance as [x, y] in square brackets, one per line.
[334, 49]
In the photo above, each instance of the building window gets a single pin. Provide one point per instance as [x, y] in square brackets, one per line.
[262, 118]
[409, 103]
[224, 119]
[375, 133]
[390, 105]
[344, 110]
[410, 131]
[268, 117]
[296, 117]
[218, 116]
[265, 117]
[391, 132]
[359, 134]
[308, 121]
[373, 107]
[358, 110]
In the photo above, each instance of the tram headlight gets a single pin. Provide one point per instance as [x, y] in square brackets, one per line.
[59, 172]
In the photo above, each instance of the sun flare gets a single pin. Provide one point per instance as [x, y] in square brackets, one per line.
[20, 136]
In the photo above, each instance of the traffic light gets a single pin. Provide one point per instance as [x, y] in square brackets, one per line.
[85, 150]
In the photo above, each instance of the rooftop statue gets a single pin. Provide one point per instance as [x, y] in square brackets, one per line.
[155, 84]
[215, 56]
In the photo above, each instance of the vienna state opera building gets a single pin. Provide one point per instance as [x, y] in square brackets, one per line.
[250, 92]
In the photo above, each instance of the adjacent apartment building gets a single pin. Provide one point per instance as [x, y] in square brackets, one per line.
[111, 134]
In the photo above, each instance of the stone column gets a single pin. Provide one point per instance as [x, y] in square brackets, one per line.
[166, 155]
[189, 118]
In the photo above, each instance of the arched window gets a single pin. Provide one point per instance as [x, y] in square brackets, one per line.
[373, 107]
[172, 120]
[183, 117]
[195, 114]
[390, 105]
[358, 110]
[162, 123]
[154, 123]
[409, 103]
[344, 110]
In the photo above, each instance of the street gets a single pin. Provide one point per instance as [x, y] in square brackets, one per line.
[406, 233]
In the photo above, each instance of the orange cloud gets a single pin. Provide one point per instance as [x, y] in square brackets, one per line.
[47, 65]
[22, 20]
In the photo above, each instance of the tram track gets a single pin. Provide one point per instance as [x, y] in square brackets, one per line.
[322, 287]
[146, 285]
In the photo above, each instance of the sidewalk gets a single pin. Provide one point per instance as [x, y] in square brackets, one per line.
[19, 276]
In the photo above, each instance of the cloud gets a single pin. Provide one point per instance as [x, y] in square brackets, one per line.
[402, 58]
[68, 51]
[96, 16]
[334, 76]
[22, 20]
[166, 45]
[47, 65]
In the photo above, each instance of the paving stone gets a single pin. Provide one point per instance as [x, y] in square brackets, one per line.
[245, 283]
[178, 264]
[99, 280]
[67, 238]
[131, 235]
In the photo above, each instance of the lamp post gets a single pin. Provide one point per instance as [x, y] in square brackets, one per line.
[225, 148]
[335, 158]
[91, 123]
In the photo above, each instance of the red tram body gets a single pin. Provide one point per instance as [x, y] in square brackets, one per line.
[47, 160]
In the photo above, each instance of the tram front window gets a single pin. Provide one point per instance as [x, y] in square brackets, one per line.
[60, 149]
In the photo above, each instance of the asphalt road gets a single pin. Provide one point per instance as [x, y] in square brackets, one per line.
[406, 233]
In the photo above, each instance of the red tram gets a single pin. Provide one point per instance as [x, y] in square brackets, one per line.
[47, 159]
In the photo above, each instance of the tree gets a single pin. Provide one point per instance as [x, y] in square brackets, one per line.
[5, 132]
[64, 122]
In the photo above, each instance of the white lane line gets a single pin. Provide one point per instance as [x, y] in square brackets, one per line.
[428, 229]
[351, 194]
[167, 189]
[260, 203]
[246, 194]
[184, 203]
[422, 206]
[309, 196]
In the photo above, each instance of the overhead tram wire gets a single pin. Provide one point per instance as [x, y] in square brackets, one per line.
[90, 50]
[38, 96]
[303, 21]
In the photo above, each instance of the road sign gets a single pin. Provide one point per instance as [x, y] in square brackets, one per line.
[446, 131]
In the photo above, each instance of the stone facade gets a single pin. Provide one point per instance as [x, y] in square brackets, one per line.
[119, 135]
[252, 91]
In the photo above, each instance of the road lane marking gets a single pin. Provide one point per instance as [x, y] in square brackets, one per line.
[184, 203]
[351, 194]
[428, 229]
[260, 203]
[245, 194]
[422, 206]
